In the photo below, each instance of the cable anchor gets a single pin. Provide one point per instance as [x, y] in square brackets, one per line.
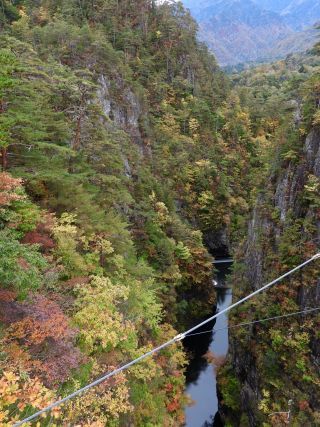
[180, 337]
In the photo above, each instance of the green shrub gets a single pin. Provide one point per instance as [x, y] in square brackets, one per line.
[21, 266]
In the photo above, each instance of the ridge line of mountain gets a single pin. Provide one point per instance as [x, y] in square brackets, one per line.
[255, 30]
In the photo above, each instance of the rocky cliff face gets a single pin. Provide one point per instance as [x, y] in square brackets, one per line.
[124, 112]
[287, 199]
[287, 233]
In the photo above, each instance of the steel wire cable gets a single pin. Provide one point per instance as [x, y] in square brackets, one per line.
[161, 347]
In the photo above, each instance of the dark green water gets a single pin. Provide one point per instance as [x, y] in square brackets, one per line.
[201, 375]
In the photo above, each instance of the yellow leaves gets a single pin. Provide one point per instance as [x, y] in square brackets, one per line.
[100, 322]
[262, 142]
[303, 131]
[313, 184]
[22, 12]
[239, 202]
[266, 393]
[270, 124]
[290, 155]
[162, 213]
[232, 201]
[153, 197]
[168, 128]
[312, 191]
[170, 125]
[264, 403]
[9, 377]
[21, 391]
[203, 163]
[194, 128]
[65, 226]
[69, 239]
[106, 246]
[102, 404]
[316, 118]
[116, 401]
[3, 416]
[8, 389]
[43, 14]
[147, 369]
[166, 150]
[243, 118]
[97, 244]
[206, 197]
[197, 237]
[92, 424]
[66, 236]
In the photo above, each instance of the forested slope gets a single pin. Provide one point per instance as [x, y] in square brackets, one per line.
[276, 363]
[123, 149]
[121, 143]
[255, 31]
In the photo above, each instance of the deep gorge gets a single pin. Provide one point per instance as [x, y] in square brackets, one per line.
[129, 159]
[207, 352]
[257, 378]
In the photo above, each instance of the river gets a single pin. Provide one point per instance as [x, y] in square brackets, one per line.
[201, 375]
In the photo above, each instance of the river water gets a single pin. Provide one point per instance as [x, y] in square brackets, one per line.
[201, 375]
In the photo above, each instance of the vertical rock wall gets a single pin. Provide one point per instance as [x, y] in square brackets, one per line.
[283, 203]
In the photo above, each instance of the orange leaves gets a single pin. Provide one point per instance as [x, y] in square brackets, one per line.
[173, 406]
[8, 185]
[34, 237]
[7, 296]
[168, 388]
[44, 319]
[304, 405]
[19, 392]
[42, 234]
[40, 339]
[8, 387]
[162, 361]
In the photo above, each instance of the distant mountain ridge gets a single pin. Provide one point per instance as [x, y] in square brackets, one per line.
[240, 31]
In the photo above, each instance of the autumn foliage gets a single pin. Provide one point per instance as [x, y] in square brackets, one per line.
[40, 339]
[8, 188]
[115, 117]
[18, 394]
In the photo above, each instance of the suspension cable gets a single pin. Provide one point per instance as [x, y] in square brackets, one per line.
[176, 339]
[296, 313]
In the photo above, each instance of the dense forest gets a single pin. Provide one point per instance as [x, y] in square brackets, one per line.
[129, 159]
[119, 151]
[274, 367]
